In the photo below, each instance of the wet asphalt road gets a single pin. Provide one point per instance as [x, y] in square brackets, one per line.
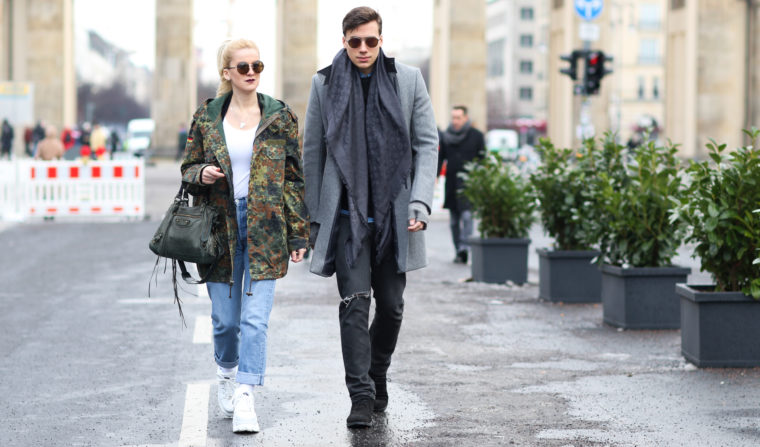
[87, 359]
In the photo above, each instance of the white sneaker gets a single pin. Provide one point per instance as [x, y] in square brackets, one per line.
[244, 419]
[225, 391]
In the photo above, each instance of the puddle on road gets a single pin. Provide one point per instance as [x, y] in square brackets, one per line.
[305, 402]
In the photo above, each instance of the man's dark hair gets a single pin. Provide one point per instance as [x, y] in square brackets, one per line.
[460, 107]
[359, 16]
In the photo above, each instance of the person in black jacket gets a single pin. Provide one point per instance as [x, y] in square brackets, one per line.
[460, 144]
[6, 139]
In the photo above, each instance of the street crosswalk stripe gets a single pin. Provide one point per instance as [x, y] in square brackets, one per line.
[195, 417]
[203, 331]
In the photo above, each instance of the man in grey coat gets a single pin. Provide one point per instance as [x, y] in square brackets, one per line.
[370, 159]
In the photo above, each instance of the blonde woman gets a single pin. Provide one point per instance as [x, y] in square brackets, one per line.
[242, 156]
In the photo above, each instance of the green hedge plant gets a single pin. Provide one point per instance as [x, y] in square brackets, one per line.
[630, 197]
[559, 188]
[501, 198]
[720, 207]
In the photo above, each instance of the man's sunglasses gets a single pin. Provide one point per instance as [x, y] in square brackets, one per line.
[242, 67]
[355, 42]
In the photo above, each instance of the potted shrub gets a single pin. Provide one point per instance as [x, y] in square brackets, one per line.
[631, 197]
[719, 323]
[565, 270]
[503, 202]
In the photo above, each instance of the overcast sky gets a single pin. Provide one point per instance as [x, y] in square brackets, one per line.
[131, 26]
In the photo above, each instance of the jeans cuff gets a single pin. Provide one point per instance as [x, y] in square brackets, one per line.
[226, 364]
[250, 378]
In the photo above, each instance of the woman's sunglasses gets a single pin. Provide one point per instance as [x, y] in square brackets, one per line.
[242, 67]
[355, 42]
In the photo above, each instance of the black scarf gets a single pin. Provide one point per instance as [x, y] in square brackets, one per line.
[367, 143]
[452, 136]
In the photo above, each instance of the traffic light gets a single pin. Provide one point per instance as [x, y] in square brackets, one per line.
[572, 70]
[594, 71]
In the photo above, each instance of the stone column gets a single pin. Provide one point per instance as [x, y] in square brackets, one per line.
[458, 65]
[296, 53]
[707, 71]
[174, 94]
[42, 52]
[564, 106]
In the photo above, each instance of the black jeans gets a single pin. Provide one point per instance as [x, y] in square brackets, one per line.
[367, 351]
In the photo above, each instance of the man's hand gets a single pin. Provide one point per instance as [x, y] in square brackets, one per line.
[297, 255]
[211, 174]
[415, 226]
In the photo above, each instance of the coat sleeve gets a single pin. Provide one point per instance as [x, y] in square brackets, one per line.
[194, 160]
[314, 150]
[296, 214]
[424, 135]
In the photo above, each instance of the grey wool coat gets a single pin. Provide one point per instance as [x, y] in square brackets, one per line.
[323, 184]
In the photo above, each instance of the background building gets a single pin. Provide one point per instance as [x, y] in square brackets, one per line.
[516, 35]
[637, 96]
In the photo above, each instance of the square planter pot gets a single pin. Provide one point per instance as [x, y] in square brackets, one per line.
[568, 276]
[499, 260]
[642, 297]
[719, 329]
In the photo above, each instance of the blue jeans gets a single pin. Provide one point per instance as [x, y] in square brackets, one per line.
[240, 315]
[461, 229]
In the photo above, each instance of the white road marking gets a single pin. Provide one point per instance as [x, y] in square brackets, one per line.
[146, 301]
[202, 334]
[195, 418]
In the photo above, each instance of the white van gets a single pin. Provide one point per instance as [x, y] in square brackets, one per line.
[504, 141]
[139, 133]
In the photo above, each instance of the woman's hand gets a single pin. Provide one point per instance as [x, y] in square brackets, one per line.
[297, 255]
[211, 174]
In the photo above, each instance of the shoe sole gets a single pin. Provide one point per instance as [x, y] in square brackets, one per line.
[359, 424]
[245, 428]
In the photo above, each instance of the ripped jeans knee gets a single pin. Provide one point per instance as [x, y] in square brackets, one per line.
[348, 299]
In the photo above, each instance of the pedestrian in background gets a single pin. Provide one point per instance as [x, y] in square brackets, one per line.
[67, 138]
[369, 159]
[242, 156]
[114, 142]
[50, 148]
[98, 140]
[38, 134]
[6, 139]
[461, 143]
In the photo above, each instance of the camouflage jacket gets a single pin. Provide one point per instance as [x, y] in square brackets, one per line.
[277, 216]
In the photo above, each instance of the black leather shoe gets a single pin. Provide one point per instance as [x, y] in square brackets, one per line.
[361, 414]
[461, 257]
[381, 395]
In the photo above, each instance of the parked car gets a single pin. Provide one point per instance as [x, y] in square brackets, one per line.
[139, 134]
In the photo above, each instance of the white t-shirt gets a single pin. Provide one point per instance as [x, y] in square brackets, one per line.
[240, 147]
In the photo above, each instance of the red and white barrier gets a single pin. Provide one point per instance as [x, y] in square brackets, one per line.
[73, 188]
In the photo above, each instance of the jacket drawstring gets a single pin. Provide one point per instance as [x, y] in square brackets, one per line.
[250, 286]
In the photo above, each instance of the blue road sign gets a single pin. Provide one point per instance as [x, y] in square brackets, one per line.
[588, 9]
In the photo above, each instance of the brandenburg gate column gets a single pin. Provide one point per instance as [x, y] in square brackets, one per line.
[296, 53]
[458, 63]
[174, 85]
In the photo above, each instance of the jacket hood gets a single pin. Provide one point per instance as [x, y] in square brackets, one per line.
[269, 106]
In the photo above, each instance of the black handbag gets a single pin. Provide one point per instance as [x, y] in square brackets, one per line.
[188, 234]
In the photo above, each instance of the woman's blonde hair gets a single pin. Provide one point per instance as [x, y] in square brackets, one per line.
[224, 58]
